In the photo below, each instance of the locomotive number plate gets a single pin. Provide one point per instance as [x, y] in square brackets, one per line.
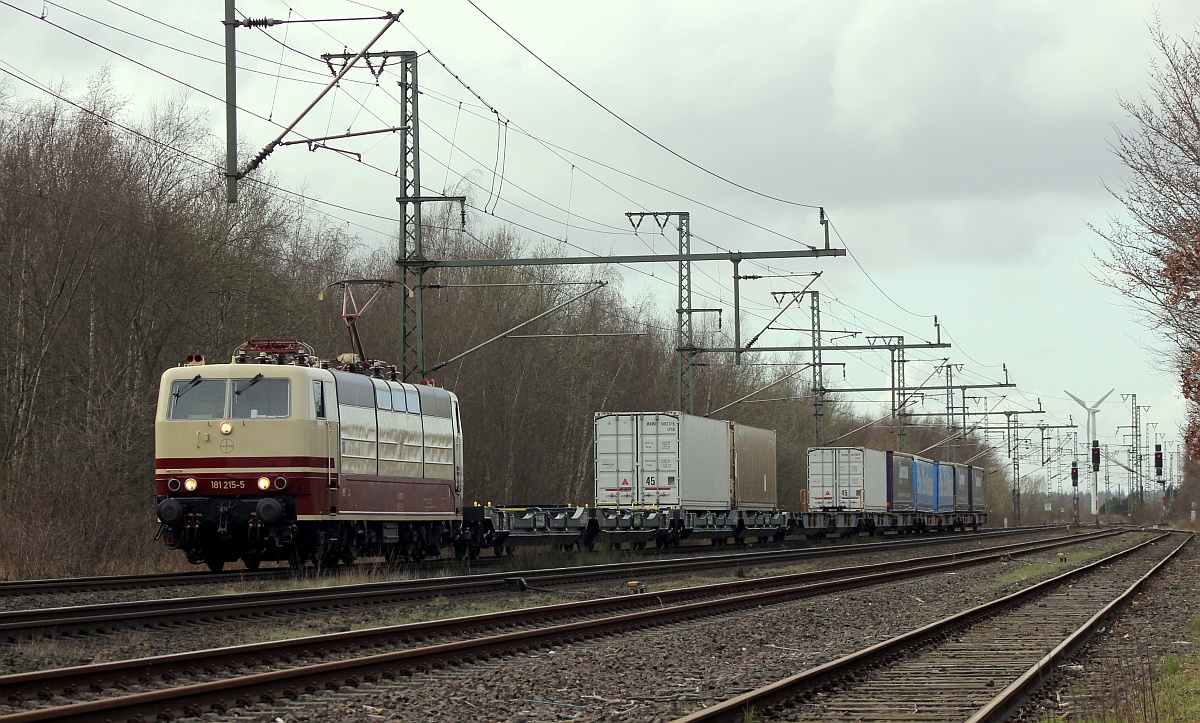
[228, 484]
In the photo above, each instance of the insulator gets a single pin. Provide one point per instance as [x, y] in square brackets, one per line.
[260, 22]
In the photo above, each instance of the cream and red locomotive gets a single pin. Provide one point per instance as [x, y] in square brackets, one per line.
[280, 456]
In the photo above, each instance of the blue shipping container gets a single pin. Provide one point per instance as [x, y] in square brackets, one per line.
[924, 485]
[945, 487]
[899, 482]
[978, 479]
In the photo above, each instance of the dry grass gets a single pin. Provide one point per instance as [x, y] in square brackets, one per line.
[61, 532]
[1130, 685]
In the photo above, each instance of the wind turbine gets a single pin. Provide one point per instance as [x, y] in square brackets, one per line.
[1091, 435]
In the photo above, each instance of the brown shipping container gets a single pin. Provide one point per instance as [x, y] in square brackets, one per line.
[754, 485]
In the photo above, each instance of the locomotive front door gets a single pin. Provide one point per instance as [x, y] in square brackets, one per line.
[333, 454]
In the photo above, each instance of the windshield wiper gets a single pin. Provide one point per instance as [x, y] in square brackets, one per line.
[257, 378]
[194, 382]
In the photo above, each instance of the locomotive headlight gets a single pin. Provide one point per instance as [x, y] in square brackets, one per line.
[173, 484]
[264, 484]
[226, 427]
[189, 484]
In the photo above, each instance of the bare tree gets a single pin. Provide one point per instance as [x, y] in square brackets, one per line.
[1155, 248]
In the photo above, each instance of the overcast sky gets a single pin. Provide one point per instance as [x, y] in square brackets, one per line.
[961, 150]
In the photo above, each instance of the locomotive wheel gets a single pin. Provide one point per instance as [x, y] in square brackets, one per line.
[216, 564]
[251, 562]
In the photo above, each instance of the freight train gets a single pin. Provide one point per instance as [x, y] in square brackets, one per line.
[279, 455]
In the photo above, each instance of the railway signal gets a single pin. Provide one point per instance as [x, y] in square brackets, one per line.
[1074, 474]
[1095, 455]
[1158, 461]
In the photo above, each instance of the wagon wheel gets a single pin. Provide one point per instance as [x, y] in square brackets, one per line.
[216, 564]
[251, 562]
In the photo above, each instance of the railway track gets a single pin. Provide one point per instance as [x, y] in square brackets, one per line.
[18, 588]
[16, 625]
[265, 672]
[978, 665]
[21, 588]
[109, 583]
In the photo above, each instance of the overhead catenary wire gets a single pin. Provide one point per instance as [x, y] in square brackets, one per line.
[381, 217]
[208, 163]
[138, 63]
[173, 48]
[836, 231]
[555, 148]
[632, 127]
[266, 151]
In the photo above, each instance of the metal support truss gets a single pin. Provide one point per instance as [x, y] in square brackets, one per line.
[685, 341]
[412, 332]
[818, 373]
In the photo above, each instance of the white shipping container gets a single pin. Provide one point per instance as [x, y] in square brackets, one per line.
[755, 484]
[663, 459]
[851, 478]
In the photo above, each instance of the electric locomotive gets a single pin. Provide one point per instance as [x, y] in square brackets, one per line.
[278, 455]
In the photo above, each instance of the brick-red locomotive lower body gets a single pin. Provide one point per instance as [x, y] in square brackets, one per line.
[306, 515]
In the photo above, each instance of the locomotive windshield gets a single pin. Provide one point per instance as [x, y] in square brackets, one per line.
[261, 398]
[198, 399]
[253, 398]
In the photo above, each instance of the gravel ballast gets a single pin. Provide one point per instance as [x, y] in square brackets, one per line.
[661, 673]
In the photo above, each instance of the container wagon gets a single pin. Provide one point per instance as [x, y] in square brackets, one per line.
[716, 478]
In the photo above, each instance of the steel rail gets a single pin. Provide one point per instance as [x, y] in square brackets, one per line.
[63, 585]
[50, 586]
[665, 607]
[1012, 697]
[121, 672]
[104, 617]
[734, 709]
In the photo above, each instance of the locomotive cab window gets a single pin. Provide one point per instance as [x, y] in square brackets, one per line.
[261, 398]
[319, 398]
[197, 399]
[414, 400]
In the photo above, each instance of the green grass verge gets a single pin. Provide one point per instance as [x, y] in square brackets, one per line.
[1045, 569]
[1166, 692]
